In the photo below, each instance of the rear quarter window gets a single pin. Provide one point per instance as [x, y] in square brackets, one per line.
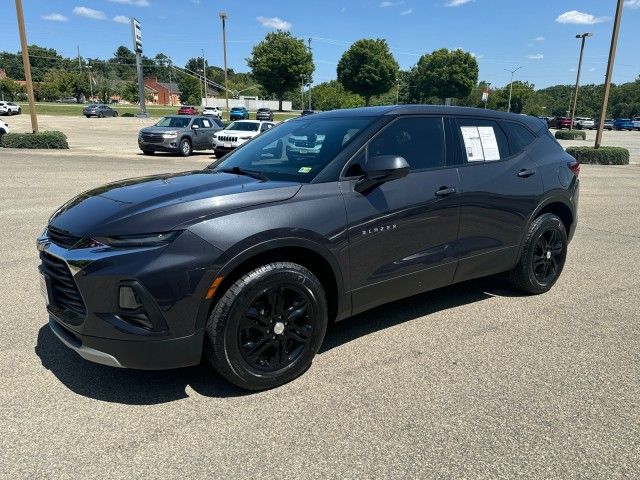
[482, 140]
[519, 136]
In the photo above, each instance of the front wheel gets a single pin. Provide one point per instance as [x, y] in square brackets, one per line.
[267, 327]
[184, 148]
[543, 255]
[115, 114]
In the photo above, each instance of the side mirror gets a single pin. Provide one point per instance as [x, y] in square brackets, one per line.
[380, 169]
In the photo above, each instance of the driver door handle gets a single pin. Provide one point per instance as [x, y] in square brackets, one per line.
[445, 191]
[526, 172]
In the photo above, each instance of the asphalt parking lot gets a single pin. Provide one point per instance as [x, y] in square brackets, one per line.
[470, 381]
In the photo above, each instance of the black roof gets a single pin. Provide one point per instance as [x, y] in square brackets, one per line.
[533, 122]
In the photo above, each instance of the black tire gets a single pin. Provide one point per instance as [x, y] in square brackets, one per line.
[543, 256]
[148, 152]
[219, 153]
[256, 343]
[88, 116]
[115, 114]
[184, 148]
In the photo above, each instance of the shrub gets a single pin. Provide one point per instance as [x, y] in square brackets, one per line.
[571, 135]
[600, 156]
[52, 139]
[127, 114]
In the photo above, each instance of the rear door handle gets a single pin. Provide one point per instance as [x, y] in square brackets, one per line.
[445, 191]
[526, 172]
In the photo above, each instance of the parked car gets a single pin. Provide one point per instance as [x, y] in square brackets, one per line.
[584, 123]
[560, 123]
[237, 133]
[636, 123]
[264, 114]
[623, 124]
[608, 123]
[212, 111]
[10, 108]
[179, 134]
[187, 110]
[4, 128]
[247, 261]
[307, 112]
[99, 110]
[239, 113]
[68, 100]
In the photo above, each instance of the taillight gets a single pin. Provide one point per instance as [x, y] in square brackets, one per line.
[575, 167]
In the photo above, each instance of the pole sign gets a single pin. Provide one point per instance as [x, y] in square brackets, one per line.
[485, 96]
[137, 36]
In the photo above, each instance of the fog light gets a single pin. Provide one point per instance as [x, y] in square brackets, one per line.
[128, 299]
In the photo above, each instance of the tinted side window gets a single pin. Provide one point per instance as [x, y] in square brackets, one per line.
[519, 136]
[420, 140]
[482, 140]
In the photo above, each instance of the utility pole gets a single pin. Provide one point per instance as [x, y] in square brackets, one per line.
[583, 36]
[90, 81]
[204, 67]
[397, 90]
[302, 90]
[607, 82]
[27, 66]
[79, 62]
[512, 72]
[223, 17]
[309, 40]
[170, 92]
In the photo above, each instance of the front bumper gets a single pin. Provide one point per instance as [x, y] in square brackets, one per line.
[167, 145]
[170, 282]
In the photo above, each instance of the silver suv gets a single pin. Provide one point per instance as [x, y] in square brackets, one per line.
[180, 134]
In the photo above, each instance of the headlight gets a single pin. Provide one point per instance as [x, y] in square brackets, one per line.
[169, 134]
[147, 240]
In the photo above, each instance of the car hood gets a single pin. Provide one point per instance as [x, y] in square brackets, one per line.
[160, 203]
[239, 133]
[154, 129]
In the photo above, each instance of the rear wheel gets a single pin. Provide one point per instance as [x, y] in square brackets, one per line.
[115, 114]
[543, 255]
[185, 147]
[88, 116]
[267, 327]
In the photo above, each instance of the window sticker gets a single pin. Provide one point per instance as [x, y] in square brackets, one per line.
[304, 170]
[489, 143]
[480, 143]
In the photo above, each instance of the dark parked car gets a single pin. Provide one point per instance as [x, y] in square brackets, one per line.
[560, 123]
[187, 110]
[179, 134]
[249, 260]
[99, 110]
[264, 114]
[623, 124]
[238, 113]
[307, 112]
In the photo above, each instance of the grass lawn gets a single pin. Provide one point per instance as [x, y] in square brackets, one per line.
[70, 109]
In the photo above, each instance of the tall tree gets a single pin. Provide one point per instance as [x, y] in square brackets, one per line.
[446, 74]
[278, 62]
[189, 90]
[368, 68]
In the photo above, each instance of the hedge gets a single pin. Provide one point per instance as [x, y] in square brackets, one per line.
[600, 156]
[127, 114]
[571, 135]
[52, 139]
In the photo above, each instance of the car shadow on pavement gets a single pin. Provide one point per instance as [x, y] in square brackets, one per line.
[139, 387]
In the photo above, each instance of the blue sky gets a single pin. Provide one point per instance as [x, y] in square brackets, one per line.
[538, 35]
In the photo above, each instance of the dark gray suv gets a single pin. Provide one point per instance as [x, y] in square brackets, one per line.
[179, 134]
[315, 220]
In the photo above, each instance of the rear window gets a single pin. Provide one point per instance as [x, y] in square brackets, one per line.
[519, 136]
[244, 126]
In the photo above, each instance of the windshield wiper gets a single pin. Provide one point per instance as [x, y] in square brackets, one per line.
[248, 173]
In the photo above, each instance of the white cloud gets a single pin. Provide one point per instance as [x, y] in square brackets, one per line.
[343, 9]
[538, 39]
[121, 19]
[632, 3]
[386, 4]
[535, 56]
[274, 22]
[55, 17]
[477, 56]
[408, 11]
[580, 18]
[137, 3]
[456, 3]
[89, 13]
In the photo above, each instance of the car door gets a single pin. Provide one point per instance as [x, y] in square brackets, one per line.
[499, 191]
[207, 131]
[402, 233]
[198, 137]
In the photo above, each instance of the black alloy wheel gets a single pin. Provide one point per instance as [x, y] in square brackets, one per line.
[548, 256]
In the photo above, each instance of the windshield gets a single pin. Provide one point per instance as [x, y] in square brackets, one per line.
[244, 126]
[175, 122]
[296, 150]
[237, 109]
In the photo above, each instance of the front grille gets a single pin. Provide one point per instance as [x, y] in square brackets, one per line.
[224, 138]
[152, 137]
[64, 292]
[62, 238]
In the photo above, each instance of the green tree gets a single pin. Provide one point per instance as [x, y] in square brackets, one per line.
[332, 96]
[189, 90]
[621, 110]
[368, 68]
[446, 74]
[10, 89]
[125, 63]
[278, 62]
[58, 83]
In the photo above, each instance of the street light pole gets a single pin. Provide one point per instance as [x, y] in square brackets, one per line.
[223, 17]
[204, 67]
[27, 66]
[309, 93]
[607, 82]
[512, 72]
[582, 36]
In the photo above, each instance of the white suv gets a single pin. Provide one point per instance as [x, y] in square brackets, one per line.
[213, 111]
[9, 108]
[4, 128]
[583, 123]
[236, 134]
